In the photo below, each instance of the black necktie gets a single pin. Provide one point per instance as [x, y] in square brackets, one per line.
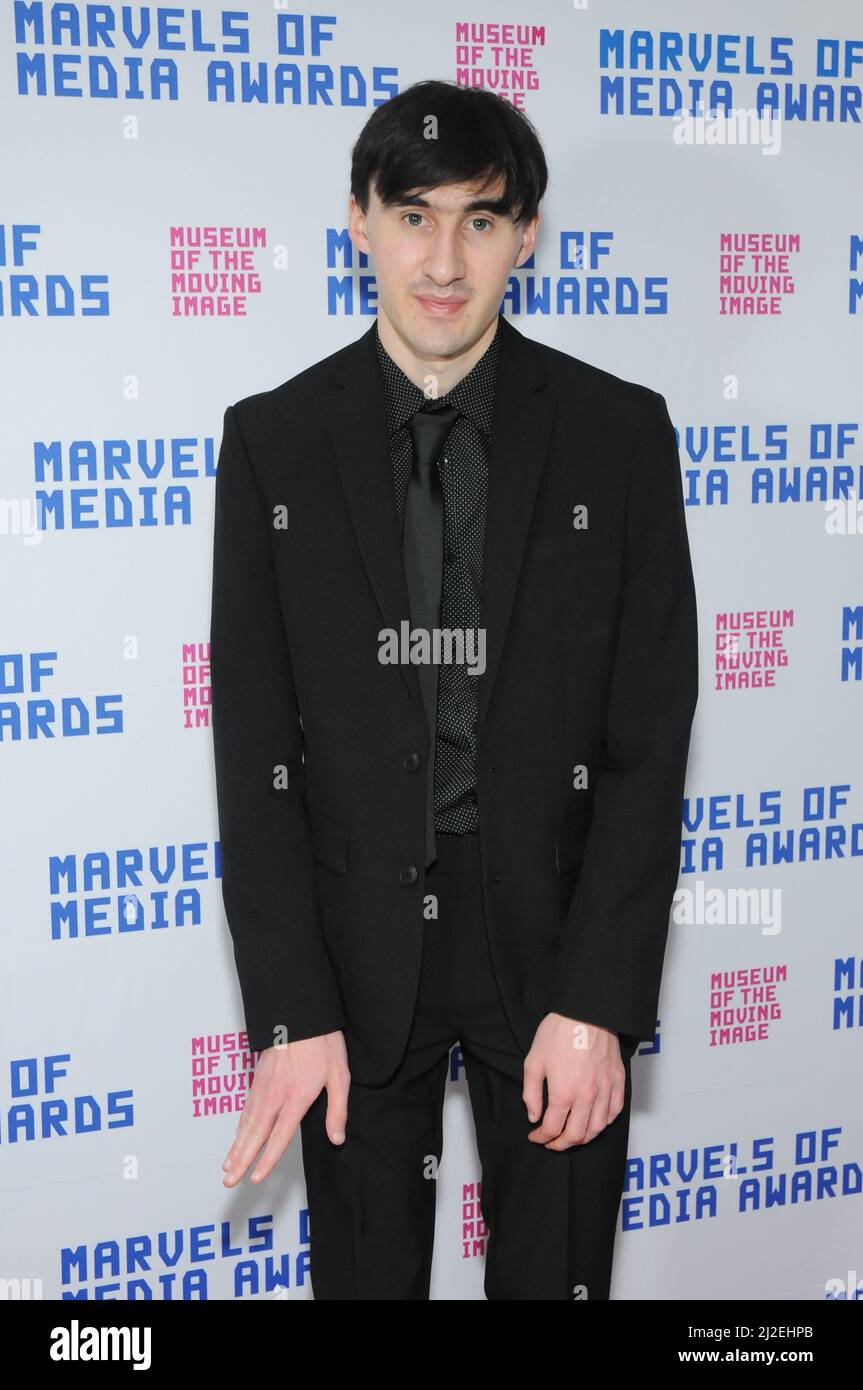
[422, 549]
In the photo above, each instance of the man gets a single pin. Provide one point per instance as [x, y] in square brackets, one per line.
[454, 670]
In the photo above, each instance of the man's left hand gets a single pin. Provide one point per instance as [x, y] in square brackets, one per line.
[586, 1079]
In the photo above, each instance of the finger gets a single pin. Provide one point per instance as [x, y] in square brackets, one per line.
[282, 1132]
[252, 1131]
[337, 1109]
[576, 1117]
[245, 1128]
[553, 1122]
[532, 1092]
[582, 1127]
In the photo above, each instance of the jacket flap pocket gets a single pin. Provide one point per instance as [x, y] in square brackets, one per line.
[570, 838]
[330, 841]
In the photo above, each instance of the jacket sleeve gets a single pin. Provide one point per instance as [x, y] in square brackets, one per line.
[613, 939]
[268, 880]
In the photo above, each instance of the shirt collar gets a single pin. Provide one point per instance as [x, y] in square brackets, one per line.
[473, 395]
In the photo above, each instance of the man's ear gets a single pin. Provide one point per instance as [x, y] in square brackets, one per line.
[357, 225]
[529, 231]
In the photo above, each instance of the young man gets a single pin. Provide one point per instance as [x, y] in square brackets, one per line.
[454, 670]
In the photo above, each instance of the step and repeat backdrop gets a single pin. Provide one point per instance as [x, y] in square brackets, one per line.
[173, 238]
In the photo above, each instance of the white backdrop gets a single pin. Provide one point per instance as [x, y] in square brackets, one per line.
[134, 158]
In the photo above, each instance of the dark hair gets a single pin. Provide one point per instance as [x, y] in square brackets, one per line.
[479, 135]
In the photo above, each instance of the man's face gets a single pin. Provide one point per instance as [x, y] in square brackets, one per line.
[441, 260]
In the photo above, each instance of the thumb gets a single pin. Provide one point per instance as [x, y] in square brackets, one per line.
[532, 1094]
[337, 1111]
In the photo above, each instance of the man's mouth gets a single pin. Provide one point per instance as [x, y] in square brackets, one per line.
[441, 308]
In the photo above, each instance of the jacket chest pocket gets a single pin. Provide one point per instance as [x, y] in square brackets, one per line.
[593, 544]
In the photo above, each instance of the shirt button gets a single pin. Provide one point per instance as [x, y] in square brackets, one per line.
[408, 875]
[411, 762]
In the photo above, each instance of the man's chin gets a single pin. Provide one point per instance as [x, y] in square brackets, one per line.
[439, 340]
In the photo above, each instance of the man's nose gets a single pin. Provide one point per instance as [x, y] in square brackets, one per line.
[444, 261]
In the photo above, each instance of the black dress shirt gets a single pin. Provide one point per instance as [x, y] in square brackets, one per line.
[464, 483]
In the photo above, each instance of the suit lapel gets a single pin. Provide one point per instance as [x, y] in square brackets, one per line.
[520, 433]
[356, 418]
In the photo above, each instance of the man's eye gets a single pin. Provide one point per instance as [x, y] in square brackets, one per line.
[487, 220]
[413, 214]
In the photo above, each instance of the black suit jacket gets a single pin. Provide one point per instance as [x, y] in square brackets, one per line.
[591, 664]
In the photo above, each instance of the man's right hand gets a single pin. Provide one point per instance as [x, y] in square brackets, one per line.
[287, 1080]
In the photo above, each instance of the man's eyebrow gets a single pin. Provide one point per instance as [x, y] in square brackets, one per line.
[498, 206]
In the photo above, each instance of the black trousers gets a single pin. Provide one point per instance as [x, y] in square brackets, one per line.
[551, 1216]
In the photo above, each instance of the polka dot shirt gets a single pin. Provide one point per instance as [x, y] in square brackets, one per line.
[463, 471]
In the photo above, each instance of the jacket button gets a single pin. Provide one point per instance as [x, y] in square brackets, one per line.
[411, 762]
[409, 874]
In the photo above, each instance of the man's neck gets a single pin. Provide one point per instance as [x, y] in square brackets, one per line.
[448, 371]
